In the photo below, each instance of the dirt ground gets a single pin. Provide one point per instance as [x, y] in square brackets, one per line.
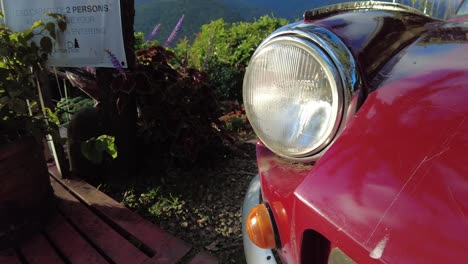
[199, 205]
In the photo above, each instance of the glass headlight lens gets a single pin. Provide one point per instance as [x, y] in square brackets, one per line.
[293, 96]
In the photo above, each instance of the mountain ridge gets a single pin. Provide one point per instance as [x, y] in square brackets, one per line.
[200, 12]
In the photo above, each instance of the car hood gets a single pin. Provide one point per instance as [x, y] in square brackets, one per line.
[396, 180]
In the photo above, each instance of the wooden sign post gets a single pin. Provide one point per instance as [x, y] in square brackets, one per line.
[122, 121]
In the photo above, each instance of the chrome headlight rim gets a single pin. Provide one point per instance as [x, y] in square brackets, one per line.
[333, 77]
[332, 45]
[349, 81]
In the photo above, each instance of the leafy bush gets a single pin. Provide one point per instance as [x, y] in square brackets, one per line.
[141, 42]
[177, 109]
[23, 63]
[226, 78]
[223, 50]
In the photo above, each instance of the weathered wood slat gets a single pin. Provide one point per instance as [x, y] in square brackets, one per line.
[9, 257]
[166, 247]
[70, 243]
[116, 247]
[166, 252]
[204, 258]
[37, 250]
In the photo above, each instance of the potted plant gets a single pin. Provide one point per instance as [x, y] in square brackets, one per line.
[25, 191]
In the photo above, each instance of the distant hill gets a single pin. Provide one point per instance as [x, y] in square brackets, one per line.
[140, 2]
[200, 12]
[167, 12]
[289, 9]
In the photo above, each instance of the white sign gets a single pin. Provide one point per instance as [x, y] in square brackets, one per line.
[93, 26]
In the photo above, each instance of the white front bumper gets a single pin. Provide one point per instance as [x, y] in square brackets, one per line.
[254, 254]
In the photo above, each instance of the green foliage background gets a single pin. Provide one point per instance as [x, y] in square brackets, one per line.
[167, 13]
[223, 50]
[200, 12]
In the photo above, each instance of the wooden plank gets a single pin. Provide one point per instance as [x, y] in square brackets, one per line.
[204, 258]
[168, 253]
[9, 256]
[142, 230]
[38, 250]
[70, 243]
[116, 247]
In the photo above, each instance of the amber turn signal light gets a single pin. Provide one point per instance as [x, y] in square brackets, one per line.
[260, 228]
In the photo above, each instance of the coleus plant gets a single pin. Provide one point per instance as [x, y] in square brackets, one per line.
[178, 109]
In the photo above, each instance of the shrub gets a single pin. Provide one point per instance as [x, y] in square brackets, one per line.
[223, 50]
[226, 78]
[141, 42]
[22, 64]
[177, 109]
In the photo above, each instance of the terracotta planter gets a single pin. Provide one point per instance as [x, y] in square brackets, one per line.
[26, 196]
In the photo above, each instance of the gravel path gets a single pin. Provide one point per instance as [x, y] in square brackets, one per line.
[201, 205]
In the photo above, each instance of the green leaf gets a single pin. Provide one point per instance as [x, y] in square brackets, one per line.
[50, 27]
[100, 145]
[56, 16]
[37, 24]
[46, 44]
[62, 25]
[88, 149]
[53, 118]
[109, 143]
[94, 148]
[111, 148]
[1, 15]
[28, 35]
[14, 37]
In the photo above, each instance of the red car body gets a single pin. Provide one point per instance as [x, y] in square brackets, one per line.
[393, 186]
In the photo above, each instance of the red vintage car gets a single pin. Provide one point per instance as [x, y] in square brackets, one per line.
[361, 111]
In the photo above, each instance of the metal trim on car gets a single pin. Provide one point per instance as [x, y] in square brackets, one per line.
[254, 254]
[354, 6]
[343, 61]
[338, 91]
[331, 44]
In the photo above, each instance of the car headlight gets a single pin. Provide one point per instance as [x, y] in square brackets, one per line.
[294, 95]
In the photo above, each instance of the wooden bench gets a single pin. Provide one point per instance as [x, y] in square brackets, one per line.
[90, 227]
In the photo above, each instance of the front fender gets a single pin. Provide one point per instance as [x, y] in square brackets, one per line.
[395, 183]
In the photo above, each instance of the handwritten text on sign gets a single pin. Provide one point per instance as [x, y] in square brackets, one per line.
[92, 27]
